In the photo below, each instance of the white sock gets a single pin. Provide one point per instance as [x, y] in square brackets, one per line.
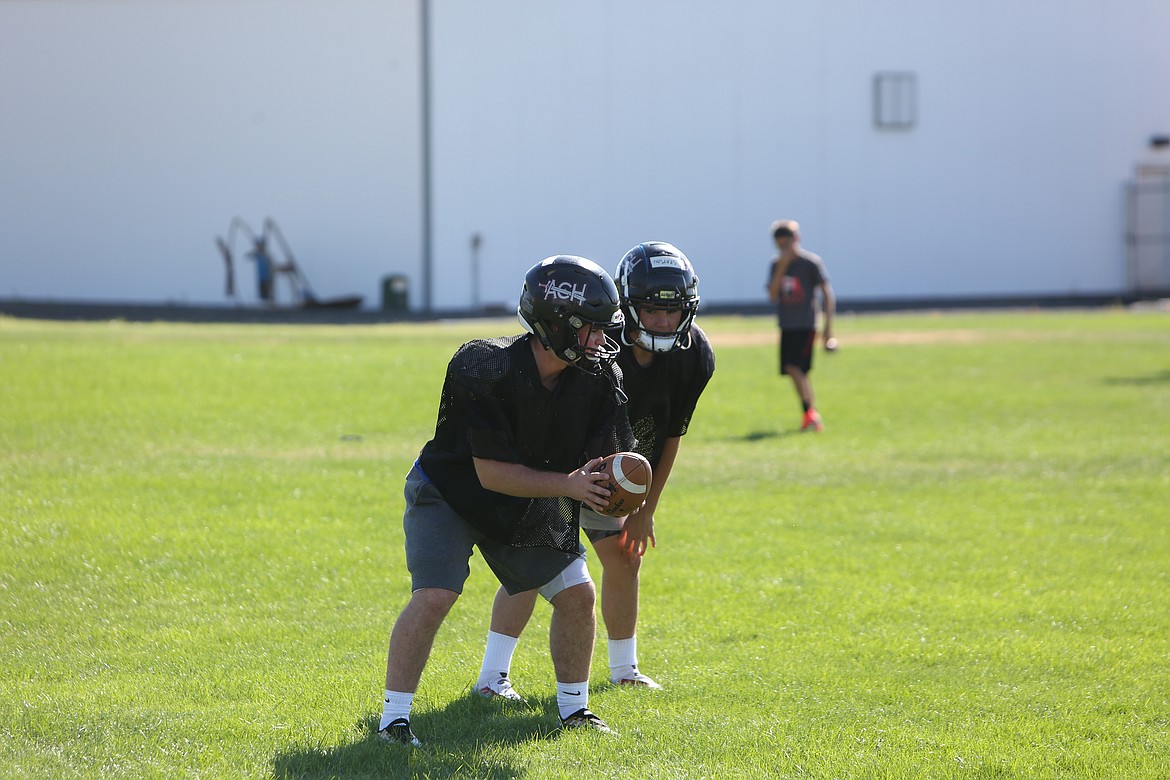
[395, 705]
[497, 658]
[623, 657]
[572, 697]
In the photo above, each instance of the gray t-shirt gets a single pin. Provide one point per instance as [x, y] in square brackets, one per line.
[797, 308]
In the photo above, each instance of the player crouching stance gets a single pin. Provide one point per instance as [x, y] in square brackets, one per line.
[503, 473]
[666, 362]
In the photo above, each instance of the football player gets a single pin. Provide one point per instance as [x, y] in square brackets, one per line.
[505, 473]
[794, 278]
[666, 362]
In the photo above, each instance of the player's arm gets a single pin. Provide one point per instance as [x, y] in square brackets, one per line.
[516, 479]
[638, 531]
[662, 473]
[830, 308]
[774, 282]
[489, 432]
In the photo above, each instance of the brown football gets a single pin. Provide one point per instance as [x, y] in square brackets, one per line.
[628, 483]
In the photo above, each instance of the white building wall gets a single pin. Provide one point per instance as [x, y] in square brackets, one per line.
[589, 127]
[132, 131]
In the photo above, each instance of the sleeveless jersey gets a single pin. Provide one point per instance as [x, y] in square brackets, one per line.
[494, 406]
[663, 395]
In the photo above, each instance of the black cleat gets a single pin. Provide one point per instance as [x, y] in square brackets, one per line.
[585, 719]
[399, 731]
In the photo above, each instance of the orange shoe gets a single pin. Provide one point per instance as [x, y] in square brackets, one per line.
[812, 421]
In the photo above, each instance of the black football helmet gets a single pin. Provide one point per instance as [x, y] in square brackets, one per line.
[563, 294]
[657, 275]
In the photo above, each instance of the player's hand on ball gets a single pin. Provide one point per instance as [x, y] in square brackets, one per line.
[628, 478]
[587, 485]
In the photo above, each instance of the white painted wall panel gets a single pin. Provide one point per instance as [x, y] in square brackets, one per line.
[589, 127]
[132, 131]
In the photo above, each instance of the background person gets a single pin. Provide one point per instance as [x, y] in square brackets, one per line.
[666, 362]
[265, 270]
[794, 278]
[504, 473]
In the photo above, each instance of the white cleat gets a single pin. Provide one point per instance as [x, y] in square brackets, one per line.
[638, 680]
[499, 689]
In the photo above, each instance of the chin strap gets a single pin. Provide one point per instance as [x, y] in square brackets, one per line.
[611, 372]
[619, 394]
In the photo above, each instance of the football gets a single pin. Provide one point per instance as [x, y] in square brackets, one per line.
[628, 483]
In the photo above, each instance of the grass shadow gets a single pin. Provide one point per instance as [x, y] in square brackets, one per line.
[761, 435]
[464, 739]
[1139, 381]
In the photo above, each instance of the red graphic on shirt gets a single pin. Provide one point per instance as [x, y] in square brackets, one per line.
[791, 290]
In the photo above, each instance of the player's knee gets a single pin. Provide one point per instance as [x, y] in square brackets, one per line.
[630, 567]
[434, 603]
[576, 573]
[619, 564]
[577, 599]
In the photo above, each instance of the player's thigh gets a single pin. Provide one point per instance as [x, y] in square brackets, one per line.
[608, 547]
[439, 542]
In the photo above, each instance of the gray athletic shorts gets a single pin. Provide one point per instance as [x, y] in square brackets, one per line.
[439, 544]
[597, 526]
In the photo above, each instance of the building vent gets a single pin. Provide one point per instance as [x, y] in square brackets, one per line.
[895, 100]
[1147, 234]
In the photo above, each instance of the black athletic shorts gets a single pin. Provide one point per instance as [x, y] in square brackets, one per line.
[796, 349]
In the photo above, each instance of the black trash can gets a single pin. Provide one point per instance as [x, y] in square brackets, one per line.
[395, 293]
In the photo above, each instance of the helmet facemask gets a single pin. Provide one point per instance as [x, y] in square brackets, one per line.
[636, 333]
[565, 342]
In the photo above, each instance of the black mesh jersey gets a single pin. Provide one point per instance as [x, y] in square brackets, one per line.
[495, 407]
[663, 395]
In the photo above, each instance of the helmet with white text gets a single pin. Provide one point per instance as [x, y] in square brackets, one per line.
[562, 295]
[657, 275]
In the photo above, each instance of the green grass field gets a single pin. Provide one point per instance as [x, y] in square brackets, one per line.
[967, 575]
